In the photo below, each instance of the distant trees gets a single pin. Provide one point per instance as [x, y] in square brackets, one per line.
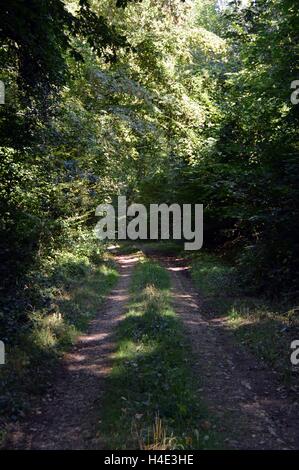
[159, 101]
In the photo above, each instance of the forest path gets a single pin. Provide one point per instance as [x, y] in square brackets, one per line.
[252, 409]
[243, 394]
[69, 418]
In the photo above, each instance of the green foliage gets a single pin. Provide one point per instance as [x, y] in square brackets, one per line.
[266, 131]
[247, 179]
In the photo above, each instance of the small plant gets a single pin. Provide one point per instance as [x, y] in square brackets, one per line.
[158, 439]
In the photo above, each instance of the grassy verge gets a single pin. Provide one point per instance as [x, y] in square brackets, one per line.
[151, 401]
[267, 328]
[62, 295]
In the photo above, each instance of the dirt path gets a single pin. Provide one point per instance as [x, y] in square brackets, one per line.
[69, 418]
[254, 410]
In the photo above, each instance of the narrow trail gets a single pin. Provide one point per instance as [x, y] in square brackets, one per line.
[252, 407]
[69, 418]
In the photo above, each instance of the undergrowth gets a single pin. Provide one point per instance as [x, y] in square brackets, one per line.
[58, 299]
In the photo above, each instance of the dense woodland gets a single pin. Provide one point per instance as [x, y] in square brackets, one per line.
[158, 100]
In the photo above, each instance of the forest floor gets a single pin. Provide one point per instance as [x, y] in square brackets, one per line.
[251, 407]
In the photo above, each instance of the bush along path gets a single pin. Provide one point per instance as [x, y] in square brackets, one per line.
[68, 417]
